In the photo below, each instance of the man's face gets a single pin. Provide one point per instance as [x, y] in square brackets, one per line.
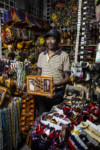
[51, 43]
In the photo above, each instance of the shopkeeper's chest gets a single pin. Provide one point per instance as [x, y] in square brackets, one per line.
[54, 62]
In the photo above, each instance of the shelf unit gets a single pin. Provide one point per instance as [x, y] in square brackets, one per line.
[74, 45]
[72, 55]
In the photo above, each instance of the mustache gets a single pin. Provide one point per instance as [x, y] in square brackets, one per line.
[50, 44]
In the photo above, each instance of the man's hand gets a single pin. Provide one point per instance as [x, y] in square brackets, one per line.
[24, 88]
[53, 94]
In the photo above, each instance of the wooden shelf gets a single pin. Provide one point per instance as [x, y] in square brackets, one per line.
[65, 44]
[74, 45]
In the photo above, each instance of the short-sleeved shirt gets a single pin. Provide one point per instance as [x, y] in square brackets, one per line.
[54, 66]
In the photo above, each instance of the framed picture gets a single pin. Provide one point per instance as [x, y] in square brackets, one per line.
[2, 94]
[40, 85]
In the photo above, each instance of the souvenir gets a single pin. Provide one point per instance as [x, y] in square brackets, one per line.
[8, 34]
[40, 85]
[2, 81]
[28, 44]
[76, 69]
[82, 89]
[27, 113]
[5, 45]
[25, 35]
[9, 83]
[40, 41]
[20, 45]
[2, 94]
[64, 13]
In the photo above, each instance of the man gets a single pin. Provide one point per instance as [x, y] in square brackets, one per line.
[53, 62]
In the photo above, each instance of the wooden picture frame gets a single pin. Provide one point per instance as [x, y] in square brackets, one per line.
[40, 85]
[3, 92]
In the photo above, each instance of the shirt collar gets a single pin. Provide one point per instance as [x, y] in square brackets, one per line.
[57, 53]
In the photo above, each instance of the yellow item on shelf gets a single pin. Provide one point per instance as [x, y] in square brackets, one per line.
[72, 79]
[5, 45]
[2, 80]
[53, 16]
[20, 45]
[9, 83]
[25, 50]
[27, 44]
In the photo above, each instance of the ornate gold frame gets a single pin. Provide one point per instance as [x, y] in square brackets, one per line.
[3, 95]
[40, 90]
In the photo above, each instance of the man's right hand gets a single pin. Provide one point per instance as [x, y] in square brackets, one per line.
[24, 89]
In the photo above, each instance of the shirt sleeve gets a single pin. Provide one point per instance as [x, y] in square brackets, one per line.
[66, 64]
[39, 64]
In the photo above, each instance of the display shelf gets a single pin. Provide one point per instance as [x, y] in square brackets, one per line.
[79, 45]
[65, 44]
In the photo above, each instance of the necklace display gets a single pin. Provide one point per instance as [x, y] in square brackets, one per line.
[16, 124]
[9, 125]
[18, 110]
[4, 127]
[1, 133]
[9, 130]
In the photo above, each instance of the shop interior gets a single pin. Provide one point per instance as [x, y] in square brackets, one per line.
[73, 124]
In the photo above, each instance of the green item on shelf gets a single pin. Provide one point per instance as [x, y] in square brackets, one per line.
[18, 58]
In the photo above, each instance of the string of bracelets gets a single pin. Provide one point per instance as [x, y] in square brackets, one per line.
[62, 129]
[9, 125]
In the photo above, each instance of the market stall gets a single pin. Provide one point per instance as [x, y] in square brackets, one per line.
[74, 123]
[21, 41]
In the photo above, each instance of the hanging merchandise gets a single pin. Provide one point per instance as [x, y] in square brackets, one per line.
[40, 41]
[97, 59]
[19, 33]
[8, 34]
[85, 40]
[80, 71]
[3, 92]
[97, 3]
[65, 13]
[76, 69]
[19, 70]
[87, 15]
[10, 133]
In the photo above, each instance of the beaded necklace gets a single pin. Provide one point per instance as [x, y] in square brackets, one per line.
[12, 124]
[9, 129]
[18, 111]
[4, 126]
[16, 124]
[1, 134]
[7, 126]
